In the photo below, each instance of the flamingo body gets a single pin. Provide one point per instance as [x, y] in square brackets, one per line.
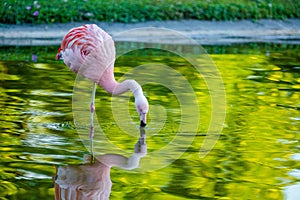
[89, 51]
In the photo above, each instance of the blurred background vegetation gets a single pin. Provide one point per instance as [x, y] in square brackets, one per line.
[130, 11]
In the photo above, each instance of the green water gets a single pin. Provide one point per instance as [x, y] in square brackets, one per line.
[257, 156]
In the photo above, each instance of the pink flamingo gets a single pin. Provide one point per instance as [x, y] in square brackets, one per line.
[90, 51]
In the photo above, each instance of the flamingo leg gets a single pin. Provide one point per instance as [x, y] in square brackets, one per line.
[92, 109]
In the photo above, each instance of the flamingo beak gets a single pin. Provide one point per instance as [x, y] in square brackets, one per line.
[143, 120]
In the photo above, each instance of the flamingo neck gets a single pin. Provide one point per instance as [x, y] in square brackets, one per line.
[108, 83]
[126, 85]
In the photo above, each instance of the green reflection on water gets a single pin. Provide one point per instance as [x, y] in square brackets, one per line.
[253, 159]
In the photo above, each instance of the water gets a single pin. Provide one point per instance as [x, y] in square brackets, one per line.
[256, 157]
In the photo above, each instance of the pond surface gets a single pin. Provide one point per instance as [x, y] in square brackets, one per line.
[257, 156]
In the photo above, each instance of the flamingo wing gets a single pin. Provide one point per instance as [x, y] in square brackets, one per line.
[79, 42]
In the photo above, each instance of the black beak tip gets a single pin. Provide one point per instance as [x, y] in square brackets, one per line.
[142, 124]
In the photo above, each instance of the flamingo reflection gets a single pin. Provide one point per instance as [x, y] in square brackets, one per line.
[91, 180]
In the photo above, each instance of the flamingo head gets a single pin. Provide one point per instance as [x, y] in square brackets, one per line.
[142, 108]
